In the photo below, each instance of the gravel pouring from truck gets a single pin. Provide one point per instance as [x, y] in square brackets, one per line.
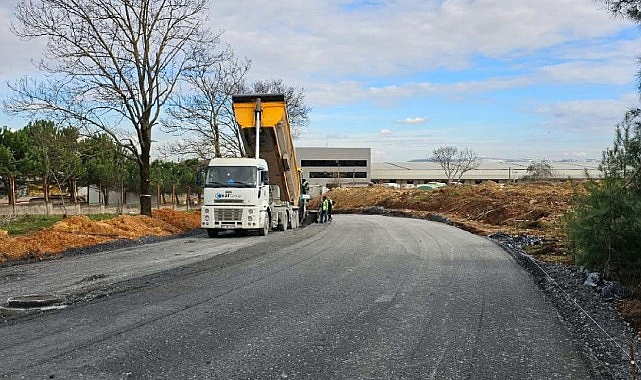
[260, 193]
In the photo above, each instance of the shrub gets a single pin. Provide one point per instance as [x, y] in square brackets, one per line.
[604, 230]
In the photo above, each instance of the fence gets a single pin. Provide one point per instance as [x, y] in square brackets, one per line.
[58, 208]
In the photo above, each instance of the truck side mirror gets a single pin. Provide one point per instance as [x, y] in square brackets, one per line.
[264, 177]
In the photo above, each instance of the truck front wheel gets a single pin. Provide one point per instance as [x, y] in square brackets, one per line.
[263, 231]
[212, 232]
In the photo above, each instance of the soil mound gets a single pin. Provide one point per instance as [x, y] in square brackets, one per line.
[79, 231]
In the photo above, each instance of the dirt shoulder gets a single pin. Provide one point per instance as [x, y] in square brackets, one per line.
[79, 231]
[535, 207]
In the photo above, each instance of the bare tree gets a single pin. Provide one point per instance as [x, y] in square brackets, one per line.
[539, 170]
[455, 162]
[204, 114]
[111, 66]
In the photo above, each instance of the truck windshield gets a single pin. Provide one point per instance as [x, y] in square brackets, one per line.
[231, 176]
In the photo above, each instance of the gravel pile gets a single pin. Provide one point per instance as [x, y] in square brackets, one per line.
[587, 306]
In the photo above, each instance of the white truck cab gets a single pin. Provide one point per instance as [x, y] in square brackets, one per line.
[235, 195]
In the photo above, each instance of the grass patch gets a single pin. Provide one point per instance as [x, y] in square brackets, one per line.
[24, 225]
[28, 224]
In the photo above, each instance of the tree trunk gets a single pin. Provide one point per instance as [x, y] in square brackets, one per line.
[12, 193]
[12, 189]
[188, 198]
[174, 197]
[145, 185]
[75, 191]
[105, 196]
[217, 152]
[145, 197]
[45, 189]
[123, 198]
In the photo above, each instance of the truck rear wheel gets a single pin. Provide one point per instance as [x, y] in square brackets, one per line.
[282, 221]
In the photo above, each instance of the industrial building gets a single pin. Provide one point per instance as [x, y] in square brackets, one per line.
[335, 166]
[408, 174]
[354, 167]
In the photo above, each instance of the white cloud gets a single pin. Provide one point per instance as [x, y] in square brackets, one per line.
[400, 36]
[15, 54]
[354, 61]
[413, 120]
[592, 116]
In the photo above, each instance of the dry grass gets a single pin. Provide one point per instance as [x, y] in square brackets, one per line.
[535, 208]
[631, 310]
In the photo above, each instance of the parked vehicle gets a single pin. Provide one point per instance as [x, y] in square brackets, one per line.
[262, 193]
[430, 185]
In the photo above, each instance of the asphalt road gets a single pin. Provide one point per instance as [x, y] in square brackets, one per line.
[363, 297]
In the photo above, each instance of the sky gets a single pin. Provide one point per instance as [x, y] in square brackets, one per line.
[527, 79]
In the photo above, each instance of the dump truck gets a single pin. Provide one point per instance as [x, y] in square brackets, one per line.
[261, 192]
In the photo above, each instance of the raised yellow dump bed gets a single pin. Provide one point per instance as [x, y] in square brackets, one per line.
[276, 143]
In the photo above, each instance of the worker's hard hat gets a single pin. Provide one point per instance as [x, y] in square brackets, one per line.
[300, 170]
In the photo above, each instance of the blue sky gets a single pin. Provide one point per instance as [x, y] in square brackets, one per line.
[528, 79]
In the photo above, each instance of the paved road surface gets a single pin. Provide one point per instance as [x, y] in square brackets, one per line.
[364, 297]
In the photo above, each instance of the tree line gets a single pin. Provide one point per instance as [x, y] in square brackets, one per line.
[57, 160]
[119, 70]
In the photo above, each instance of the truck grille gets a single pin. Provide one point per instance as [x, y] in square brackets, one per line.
[228, 215]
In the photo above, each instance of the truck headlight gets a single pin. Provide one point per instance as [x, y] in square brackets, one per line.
[250, 218]
[251, 211]
[206, 218]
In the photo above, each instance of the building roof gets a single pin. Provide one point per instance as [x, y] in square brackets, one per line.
[487, 170]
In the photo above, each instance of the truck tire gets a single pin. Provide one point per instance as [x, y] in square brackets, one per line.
[282, 221]
[265, 230]
[293, 221]
[212, 232]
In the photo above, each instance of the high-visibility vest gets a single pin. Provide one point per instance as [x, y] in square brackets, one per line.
[325, 205]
